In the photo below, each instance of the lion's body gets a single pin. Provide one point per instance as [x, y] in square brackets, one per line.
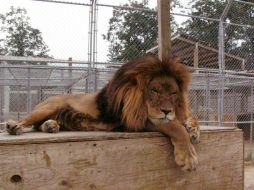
[145, 94]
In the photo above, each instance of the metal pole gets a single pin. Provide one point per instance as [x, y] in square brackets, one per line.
[221, 70]
[70, 74]
[234, 99]
[1, 97]
[251, 114]
[218, 105]
[221, 57]
[208, 98]
[95, 44]
[62, 2]
[86, 85]
[90, 45]
[6, 92]
[29, 98]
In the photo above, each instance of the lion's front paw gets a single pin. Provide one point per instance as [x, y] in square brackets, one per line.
[194, 133]
[186, 157]
[192, 128]
[50, 126]
[13, 128]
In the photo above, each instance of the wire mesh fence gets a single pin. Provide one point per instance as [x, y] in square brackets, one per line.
[213, 38]
[25, 83]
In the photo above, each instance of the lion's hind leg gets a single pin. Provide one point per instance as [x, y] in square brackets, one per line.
[49, 126]
[13, 128]
[36, 117]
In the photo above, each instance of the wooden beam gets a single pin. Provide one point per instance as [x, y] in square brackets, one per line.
[210, 48]
[118, 161]
[196, 57]
[164, 28]
[243, 65]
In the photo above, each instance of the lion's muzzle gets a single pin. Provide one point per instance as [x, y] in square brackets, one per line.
[163, 117]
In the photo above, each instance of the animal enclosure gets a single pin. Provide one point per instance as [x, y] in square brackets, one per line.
[221, 59]
[216, 45]
[218, 49]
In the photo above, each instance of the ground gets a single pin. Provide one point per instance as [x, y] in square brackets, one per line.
[249, 166]
[249, 176]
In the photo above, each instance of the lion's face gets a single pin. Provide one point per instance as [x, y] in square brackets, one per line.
[162, 99]
[148, 89]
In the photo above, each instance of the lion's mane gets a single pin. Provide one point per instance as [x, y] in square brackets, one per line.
[123, 99]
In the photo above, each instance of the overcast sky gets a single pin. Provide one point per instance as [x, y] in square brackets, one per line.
[65, 27]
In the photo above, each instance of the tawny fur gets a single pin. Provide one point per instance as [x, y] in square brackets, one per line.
[127, 103]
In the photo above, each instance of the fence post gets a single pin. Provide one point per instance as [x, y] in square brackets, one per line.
[29, 97]
[70, 74]
[164, 28]
[196, 58]
[6, 92]
[95, 44]
[251, 114]
[221, 58]
[92, 51]
[90, 46]
[208, 99]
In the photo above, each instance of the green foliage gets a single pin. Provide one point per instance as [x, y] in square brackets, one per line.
[132, 32]
[201, 29]
[238, 40]
[18, 37]
[242, 14]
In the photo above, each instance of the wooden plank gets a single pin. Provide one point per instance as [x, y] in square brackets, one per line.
[120, 164]
[196, 57]
[210, 48]
[42, 138]
[30, 137]
[164, 28]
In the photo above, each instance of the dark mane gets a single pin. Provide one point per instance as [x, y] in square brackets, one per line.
[123, 100]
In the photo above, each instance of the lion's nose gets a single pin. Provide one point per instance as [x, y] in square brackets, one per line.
[166, 111]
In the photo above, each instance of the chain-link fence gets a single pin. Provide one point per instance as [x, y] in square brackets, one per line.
[26, 82]
[214, 38]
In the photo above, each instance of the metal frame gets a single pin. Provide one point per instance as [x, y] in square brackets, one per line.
[221, 45]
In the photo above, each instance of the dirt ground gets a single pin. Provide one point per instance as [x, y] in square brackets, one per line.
[249, 166]
[249, 176]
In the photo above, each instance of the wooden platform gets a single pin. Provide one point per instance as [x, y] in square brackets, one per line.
[118, 161]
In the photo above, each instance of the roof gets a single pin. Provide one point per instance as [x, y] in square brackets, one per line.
[207, 56]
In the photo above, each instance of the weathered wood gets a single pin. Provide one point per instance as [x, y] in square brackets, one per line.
[30, 137]
[196, 58]
[115, 161]
[164, 28]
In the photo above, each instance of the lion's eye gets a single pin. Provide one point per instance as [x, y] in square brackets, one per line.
[174, 93]
[155, 90]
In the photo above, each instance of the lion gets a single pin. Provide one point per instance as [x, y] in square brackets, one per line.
[144, 95]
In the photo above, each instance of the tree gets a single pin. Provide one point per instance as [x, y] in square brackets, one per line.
[201, 29]
[242, 37]
[238, 40]
[132, 31]
[18, 37]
